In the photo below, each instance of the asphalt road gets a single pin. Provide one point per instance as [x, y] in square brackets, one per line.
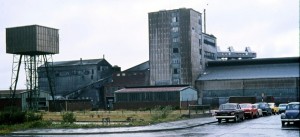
[268, 126]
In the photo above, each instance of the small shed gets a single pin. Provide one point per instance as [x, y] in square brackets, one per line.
[43, 99]
[179, 96]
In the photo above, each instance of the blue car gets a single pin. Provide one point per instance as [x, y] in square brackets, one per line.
[291, 115]
[265, 107]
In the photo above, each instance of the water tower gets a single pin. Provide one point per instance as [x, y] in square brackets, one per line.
[34, 46]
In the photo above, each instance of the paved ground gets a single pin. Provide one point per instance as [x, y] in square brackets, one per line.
[169, 126]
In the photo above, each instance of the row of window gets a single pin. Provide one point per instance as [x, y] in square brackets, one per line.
[147, 96]
[209, 55]
[128, 74]
[269, 92]
[209, 42]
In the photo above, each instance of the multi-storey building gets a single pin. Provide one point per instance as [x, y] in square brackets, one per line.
[175, 46]
[77, 79]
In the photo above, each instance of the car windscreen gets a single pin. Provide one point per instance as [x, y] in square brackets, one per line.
[227, 106]
[255, 106]
[271, 104]
[245, 105]
[282, 105]
[293, 107]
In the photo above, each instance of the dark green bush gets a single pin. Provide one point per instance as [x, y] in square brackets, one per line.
[68, 117]
[31, 116]
[39, 124]
[8, 117]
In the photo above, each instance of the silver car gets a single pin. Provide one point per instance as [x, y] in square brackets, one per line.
[260, 113]
[282, 107]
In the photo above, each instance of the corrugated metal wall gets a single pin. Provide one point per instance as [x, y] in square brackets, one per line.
[32, 40]
[216, 92]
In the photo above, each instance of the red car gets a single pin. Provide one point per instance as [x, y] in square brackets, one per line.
[250, 111]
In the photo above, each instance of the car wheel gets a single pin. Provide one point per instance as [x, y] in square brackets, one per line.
[219, 120]
[236, 119]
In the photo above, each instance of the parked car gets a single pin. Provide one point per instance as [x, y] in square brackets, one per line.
[260, 114]
[265, 108]
[282, 107]
[249, 110]
[230, 111]
[275, 109]
[292, 114]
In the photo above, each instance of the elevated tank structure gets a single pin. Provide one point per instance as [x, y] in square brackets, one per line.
[33, 46]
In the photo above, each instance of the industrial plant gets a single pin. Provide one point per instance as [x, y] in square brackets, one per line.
[185, 67]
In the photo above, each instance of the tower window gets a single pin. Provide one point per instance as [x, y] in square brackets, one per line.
[176, 39]
[176, 71]
[175, 50]
[174, 19]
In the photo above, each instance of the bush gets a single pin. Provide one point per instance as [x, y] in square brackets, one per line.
[8, 117]
[39, 124]
[161, 112]
[31, 116]
[68, 117]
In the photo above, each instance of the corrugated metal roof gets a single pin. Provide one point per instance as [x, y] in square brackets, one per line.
[77, 62]
[140, 67]
[18, 91]
[251, 71]
[151, 89]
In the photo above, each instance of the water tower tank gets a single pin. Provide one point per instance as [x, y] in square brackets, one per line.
[32, 40]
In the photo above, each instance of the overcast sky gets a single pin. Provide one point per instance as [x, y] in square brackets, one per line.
[118, 29]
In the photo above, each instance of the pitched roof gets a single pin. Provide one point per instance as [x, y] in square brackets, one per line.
[77, 62]
[251, 71]
[152, 89]
[141, 67]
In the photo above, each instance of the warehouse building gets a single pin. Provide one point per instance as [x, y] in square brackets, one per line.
[179, 96]
[77, 79]
[277, 77]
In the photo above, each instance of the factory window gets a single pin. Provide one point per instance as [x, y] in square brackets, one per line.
[209, 55]
[176, 39]
[123, 74]
[174, 19]
[176, 71]
[209, 42]
[175, 81]
[118, 74]
[175, 50]
[175, 29]
[175, 61]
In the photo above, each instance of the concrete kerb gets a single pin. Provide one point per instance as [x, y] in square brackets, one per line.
[117, 132]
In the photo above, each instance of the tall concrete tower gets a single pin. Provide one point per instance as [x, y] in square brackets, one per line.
[175, 46]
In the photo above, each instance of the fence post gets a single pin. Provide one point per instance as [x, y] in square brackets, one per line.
[189, 111]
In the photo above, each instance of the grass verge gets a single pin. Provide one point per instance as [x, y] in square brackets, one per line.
[141, 118]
